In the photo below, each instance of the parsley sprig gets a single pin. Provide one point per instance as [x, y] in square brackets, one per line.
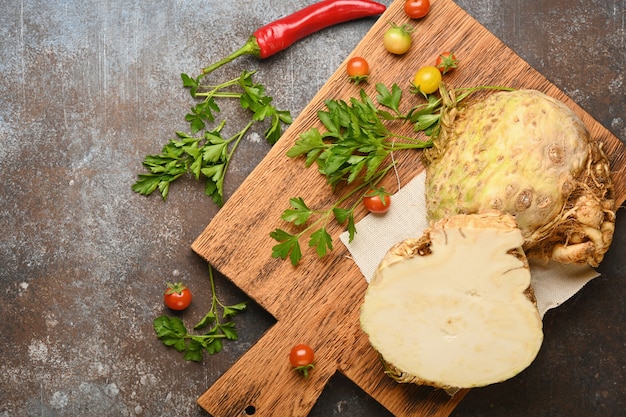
[172, 330]
[356, 140]
[356, 148]
[204, 152]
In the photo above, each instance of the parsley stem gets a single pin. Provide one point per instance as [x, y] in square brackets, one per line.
[214, 301]
[211, 94]
[205, 336]
[211, 91]
[414, 143]
[237, 139]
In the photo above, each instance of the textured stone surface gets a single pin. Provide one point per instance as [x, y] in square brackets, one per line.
[87, 89]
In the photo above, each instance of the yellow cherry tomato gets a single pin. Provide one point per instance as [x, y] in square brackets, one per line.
[397, 39]
[427, 79]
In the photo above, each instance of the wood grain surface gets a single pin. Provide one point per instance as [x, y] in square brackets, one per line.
[318, 301]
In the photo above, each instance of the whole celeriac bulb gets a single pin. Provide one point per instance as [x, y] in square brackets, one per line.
[526, 154]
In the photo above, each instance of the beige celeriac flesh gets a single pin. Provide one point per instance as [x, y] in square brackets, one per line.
[454, 308]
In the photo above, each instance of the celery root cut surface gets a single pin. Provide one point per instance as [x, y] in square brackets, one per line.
[454, 308]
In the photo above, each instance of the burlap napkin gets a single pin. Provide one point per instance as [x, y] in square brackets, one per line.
[553, 283]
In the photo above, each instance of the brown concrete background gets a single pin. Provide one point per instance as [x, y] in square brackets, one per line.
[87, 89]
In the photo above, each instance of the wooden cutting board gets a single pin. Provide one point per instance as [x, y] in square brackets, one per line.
[318, 302]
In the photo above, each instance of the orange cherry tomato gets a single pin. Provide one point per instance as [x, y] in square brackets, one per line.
[358, 69]
[416, 9]
[302, 358]
[301, 355]
[357, 66]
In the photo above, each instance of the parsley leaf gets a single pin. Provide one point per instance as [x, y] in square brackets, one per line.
[321, 241]
[289, 246]
[390, 99]
[299, 214]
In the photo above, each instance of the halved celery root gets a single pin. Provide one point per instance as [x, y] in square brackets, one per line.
[454, 308]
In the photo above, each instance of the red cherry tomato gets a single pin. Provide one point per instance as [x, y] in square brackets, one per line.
[177, 296]
[446, 61]
[377, 202]
[416, 9]
[301, 355]
[358, 69]
[357, 65]
[302, 358]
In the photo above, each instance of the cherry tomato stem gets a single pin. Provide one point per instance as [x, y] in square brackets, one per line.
[446, 62]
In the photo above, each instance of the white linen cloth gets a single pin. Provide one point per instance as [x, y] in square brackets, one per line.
[553, 282]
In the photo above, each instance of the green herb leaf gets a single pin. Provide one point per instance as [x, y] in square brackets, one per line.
[342, 214]
[194, 351]
[390, 99]
[213, 346]
[321, 241]
[171, 331]
[228, 329]
[166, 326]
[309, 143]
[351, 227]
[213, 190]
[289, 246]
[232, 310]
[190, 83]
[299, 214]
[207, 320]
[215, 153]
[426, 121]
[209, 154]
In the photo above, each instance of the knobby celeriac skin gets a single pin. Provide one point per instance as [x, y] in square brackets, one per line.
[454, 308]
[529, 155]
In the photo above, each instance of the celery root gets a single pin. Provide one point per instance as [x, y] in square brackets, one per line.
[529, 155]
[454, 308]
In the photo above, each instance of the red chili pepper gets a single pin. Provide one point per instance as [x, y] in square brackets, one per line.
[282, 33]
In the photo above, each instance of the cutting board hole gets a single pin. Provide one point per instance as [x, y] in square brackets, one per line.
[250, 410]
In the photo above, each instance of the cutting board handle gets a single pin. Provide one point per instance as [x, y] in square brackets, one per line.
[262, 383]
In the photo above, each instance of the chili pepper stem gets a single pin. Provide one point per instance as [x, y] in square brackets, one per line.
[251, 47]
